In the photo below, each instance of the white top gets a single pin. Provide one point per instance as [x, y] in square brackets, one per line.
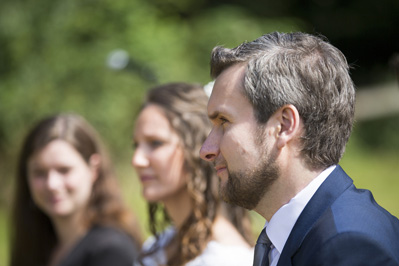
[282, 222]
[215, 253]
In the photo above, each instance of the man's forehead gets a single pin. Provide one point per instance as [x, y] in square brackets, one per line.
[230, 80]
[232, 74]
[228, 88]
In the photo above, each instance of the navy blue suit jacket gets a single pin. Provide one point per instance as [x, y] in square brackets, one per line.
[342, 225]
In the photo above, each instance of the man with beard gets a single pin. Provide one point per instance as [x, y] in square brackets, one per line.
[282, 111]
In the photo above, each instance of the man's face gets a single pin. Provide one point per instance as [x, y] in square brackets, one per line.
[237, 145]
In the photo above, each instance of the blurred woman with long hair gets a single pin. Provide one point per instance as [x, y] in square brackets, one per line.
[67, 208]
[190, 224]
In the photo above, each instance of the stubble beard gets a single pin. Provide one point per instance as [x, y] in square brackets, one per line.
[246, 188]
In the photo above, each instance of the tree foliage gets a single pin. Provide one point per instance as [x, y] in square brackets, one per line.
[54, 53]
[53, 59]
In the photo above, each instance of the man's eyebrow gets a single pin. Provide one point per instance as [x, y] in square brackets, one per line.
[213, 115]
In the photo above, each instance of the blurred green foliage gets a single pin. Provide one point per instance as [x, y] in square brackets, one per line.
[54, 59]
[379, 134]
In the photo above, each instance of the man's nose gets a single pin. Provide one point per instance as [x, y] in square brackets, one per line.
[210, 148]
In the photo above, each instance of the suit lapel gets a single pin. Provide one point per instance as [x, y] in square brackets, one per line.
[335, 184]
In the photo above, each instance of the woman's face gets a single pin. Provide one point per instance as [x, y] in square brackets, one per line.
[158, 157]
[60, 180]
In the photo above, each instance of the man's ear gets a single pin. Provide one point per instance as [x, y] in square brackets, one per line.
[94, 163]
[288, 125]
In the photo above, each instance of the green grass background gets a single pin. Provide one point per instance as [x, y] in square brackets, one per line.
[374, 170]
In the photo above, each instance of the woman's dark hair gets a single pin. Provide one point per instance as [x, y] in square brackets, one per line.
[33, 237]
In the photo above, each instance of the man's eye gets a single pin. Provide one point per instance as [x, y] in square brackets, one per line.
[223, 120]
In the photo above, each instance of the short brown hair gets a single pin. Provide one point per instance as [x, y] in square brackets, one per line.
[305, 71]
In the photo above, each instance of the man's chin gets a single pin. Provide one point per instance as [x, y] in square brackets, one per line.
[231, 197]
[226, 190]
[223, 192]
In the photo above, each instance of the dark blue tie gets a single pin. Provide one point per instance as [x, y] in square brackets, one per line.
[262, 248]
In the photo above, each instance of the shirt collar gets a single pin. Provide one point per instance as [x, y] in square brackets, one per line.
[282, 222]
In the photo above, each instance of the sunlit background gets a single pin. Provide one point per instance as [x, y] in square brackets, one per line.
[97, 58]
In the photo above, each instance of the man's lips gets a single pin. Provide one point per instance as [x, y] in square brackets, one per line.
[219, 169]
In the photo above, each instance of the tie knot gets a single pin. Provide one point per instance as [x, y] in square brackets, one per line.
[263, 238]
[262, 249]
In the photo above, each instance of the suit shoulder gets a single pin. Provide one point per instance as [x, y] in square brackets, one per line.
[357, 211]
[354, 229]
[354, 248]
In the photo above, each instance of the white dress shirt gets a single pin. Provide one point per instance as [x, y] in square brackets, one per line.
[280, 225]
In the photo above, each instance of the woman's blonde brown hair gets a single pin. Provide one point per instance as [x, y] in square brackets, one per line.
[33, 237]
[184, 105]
